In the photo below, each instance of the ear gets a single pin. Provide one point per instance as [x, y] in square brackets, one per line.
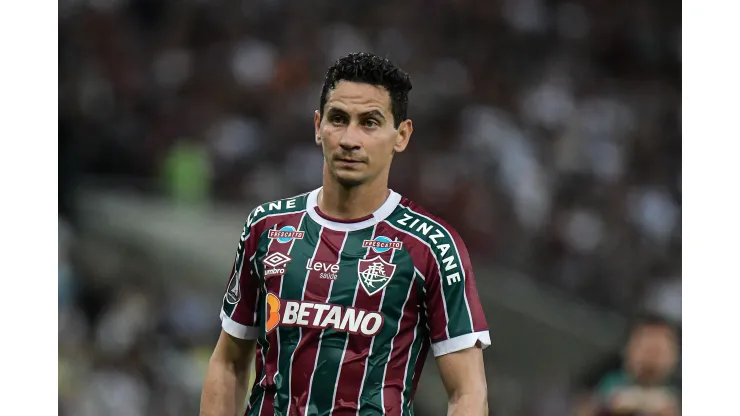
[404, 134]
[317, 127]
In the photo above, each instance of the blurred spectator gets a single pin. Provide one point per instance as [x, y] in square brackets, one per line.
[187, 172]
[126, 346]
[643, 386]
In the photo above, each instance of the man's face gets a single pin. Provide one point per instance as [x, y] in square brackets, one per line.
[357, 133]
[652, 353]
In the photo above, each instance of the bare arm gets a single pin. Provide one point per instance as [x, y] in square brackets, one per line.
[464, 378]
[225, 387]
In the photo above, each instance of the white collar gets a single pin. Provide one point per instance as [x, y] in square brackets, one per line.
[379, 215]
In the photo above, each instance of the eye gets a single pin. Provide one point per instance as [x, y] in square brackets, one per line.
[336, 119]
[370, 123]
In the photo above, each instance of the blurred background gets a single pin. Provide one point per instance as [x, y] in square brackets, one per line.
[547, 132]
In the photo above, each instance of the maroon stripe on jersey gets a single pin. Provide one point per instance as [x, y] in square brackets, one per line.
[352, 372]
[317, 289]
[436, 317]
[273, 284]
[268, 405]
[245, 310]
[419, 368]
[471, 291]
[395, 372]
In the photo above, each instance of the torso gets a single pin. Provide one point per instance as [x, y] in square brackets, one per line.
[343, 326]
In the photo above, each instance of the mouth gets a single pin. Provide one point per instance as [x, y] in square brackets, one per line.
[345, 161]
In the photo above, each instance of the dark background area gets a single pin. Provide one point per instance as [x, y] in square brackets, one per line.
[548, 133]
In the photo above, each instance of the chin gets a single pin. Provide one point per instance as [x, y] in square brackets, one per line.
[349, 180]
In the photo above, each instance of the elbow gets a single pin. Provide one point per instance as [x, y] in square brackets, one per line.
[481, 402]
[237, 366]
[469, 403]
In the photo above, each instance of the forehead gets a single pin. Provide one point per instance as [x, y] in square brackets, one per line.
[355, 97]
[653, 332]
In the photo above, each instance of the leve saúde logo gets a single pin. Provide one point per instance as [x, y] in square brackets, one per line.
[325, 270]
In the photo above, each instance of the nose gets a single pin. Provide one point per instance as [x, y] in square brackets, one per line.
[351, 138]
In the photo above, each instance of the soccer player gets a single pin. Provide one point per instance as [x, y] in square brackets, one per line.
[338, 294]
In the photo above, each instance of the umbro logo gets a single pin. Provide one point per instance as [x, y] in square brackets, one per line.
[275, 261]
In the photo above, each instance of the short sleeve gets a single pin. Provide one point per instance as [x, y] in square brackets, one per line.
[454, 312]
[239, 316]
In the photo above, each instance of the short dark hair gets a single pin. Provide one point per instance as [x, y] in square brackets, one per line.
[650, 319]
[647, 319]
[367, 68]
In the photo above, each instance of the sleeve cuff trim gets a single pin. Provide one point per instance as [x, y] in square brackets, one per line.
[461, 342]
[237, 330]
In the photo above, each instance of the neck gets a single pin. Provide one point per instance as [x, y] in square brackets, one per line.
[345, 203]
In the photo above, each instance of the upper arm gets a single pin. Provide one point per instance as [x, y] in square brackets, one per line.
[462, 372]
[234, 351]
[454, 312]
[240, 307]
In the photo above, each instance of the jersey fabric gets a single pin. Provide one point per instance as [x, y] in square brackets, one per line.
[344, 313]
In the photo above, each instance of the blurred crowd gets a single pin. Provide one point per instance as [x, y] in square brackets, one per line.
[129, 343]
[548, 132]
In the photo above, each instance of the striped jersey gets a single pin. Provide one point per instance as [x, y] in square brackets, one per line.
[344, 312]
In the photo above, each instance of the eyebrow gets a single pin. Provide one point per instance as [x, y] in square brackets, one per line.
[371, 113]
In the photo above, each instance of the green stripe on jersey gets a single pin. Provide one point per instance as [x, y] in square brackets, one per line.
[394, 300]
[294, 282]
[419, 337]
[450, 265]
[333, 343]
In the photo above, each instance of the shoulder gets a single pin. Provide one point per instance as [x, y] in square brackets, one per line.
[276, 209]
[449, 256]
[412, 218]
